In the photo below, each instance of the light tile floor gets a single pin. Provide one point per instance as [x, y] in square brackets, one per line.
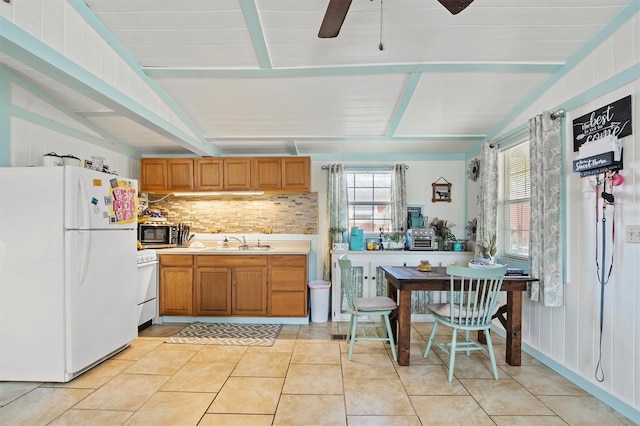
[305, 378]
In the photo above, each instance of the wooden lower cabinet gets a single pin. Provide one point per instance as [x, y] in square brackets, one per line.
[228, 285]
[176, 285]
[288, 286]
[212, 292]
[249, 294]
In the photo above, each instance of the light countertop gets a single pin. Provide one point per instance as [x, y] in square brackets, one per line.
[215, 248]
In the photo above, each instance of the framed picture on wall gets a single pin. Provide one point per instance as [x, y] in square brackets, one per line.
[441, 192]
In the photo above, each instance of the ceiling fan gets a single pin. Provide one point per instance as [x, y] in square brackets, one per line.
[337, 11]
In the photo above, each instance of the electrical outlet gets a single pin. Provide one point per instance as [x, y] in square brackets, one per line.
[632, 234]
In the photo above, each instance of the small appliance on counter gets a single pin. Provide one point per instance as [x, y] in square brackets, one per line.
[157, 235]
[356, 240]
[421, 239]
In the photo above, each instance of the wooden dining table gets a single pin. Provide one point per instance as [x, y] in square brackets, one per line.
[402, 280]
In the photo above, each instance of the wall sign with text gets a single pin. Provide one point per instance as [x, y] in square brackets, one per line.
[613, 119]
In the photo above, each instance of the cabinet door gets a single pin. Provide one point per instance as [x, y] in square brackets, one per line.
[153, 174]
[213, 292]
[176, 290]
[180, 174]
[296, 174]
[237, 174]
[267, 174]
[249, 294]
[209, 174]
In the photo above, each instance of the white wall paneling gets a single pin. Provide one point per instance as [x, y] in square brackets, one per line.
[569, 335]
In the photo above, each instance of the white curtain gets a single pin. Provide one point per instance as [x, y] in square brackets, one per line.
[337, 213]
[545, 251]
[488, 198]
[399, 198]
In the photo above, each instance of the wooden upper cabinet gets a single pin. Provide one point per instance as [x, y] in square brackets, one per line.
[153, 174]
[237, 174]
[267, 173]
[209, 174]
[296, 174]
[180, 174]
[271, 174]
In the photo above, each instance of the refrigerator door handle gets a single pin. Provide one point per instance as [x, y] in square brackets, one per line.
[85, 210]
[84, 249]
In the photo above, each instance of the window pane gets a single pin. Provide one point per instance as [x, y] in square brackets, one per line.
[369, 200]
[362, 194]
[516, 200]
[382, 194]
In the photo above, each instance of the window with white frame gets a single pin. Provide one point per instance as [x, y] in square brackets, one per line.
[369, 194]
[515, 201]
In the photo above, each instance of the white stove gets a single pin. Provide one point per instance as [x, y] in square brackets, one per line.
[147, 281]
[147, 256]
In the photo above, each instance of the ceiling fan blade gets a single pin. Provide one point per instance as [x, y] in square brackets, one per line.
[333, 18]
[455, 6]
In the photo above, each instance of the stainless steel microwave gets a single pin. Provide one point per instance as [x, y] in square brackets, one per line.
[157, 235]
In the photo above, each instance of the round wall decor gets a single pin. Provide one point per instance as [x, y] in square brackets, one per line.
[473, 170]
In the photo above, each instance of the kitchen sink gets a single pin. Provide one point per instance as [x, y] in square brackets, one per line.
[254, 247]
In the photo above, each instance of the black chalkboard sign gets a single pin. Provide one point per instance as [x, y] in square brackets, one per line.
[613, 119]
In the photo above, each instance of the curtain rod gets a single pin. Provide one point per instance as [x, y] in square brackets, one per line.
[326, 167]
[521, 131]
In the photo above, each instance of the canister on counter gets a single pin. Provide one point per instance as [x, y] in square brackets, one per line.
[424, 266]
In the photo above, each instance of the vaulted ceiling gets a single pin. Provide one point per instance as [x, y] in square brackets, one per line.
[252, 77]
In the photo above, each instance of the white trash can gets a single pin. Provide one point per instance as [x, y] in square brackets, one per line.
[319, 300]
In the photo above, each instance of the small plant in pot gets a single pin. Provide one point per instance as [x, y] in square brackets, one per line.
[488, 248]
[442, 230]
[336, 233]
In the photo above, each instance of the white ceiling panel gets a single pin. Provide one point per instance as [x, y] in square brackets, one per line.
[174, 34]
[289, 107]
[423, 31]
[458, 104]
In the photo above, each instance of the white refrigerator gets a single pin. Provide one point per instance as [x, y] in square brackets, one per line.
[67, 270]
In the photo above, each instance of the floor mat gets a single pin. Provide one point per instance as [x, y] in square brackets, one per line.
[227, 334]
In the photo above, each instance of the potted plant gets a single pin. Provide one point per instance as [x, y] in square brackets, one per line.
[397, 240]
[442, 229]
[336, 233]
[488, 248]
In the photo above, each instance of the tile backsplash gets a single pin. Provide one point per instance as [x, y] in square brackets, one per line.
[279, 213]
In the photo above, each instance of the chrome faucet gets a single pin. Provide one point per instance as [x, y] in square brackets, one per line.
[243, 241]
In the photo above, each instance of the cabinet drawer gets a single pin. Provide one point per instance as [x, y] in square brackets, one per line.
[230, 261]
[288, 279]
[176, 260]
[289, 260]
[288, 305]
